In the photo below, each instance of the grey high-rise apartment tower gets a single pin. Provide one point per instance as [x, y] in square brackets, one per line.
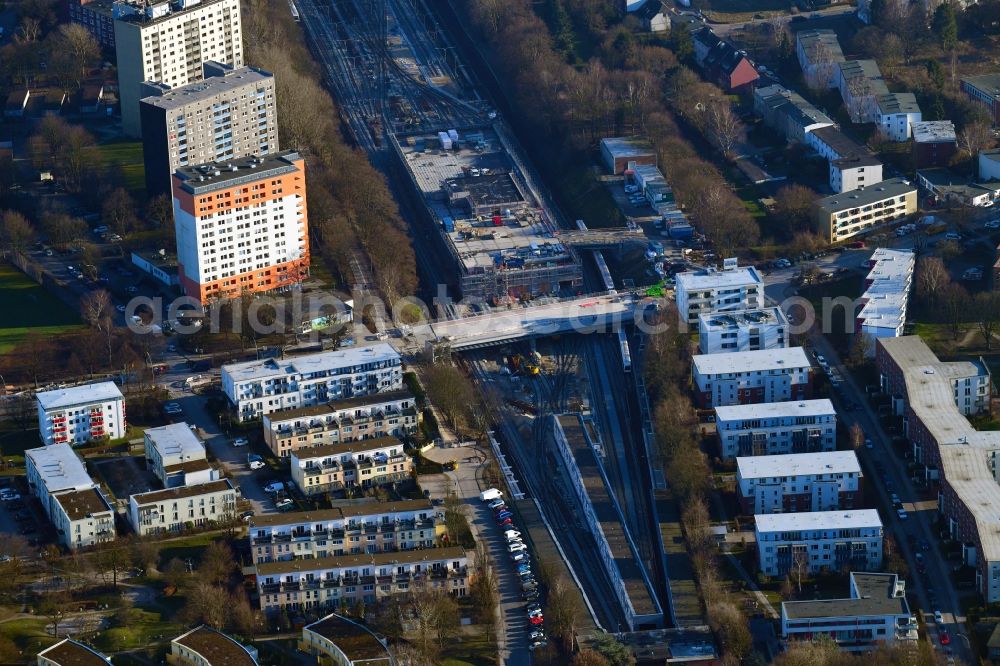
[169, 42]
[228, 115]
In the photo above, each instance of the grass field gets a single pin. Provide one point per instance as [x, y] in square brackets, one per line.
[29, 310]
[127, 154]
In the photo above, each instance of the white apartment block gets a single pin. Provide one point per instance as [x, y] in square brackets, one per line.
[354, 529]
[177, 457]
[229, 114]
[72, 501]
[80, 414]
[895, 114]
[887, 294]
[819, 55]
[849, 214]
[393, 413]
[747, 330]
[740, 378]
[855, 172]
[169, 42]
[819, 541]
[709, 291]
[861, 84]
[186, 507]
[820, 481]
[256, 388]
[369, 462]
[876, 613]
[329, 582]
[776, 428]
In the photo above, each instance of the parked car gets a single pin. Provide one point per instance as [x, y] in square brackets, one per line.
[536, 620]
[284, 505]
[241, 441]
[255, 462]
[938, 617]
[172, 408]
[901, 514]
[945, 638]
[274, 487]
[515, 547]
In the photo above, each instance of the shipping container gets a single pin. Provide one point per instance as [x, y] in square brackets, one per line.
[453, 134]
[448, 224]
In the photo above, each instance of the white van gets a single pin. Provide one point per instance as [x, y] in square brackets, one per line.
[510, 535]
[490, 495]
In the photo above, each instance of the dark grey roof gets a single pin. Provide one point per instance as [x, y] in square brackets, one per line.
[876, 592]
[841, 144]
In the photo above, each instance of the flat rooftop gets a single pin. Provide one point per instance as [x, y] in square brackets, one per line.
[68, 652]
[719, 321]
[839, 142]
[888, 294]
[216, 648]
[183, 492]
[894, 187]
[361, 559]
[628, 146]
[215, 176]
[358, 510]
[761, 360]
[60, 468]
[74, 396]
[368, 401]
[772, 410]
[934, 131]
[176, 439]
[817, 520]
[902, 102]
[988, 83]
[798, 464]
[356, 642]
[792, 104]
[209, 87]
[310, 363]
[877, 597]
[480, 172]
[79, 504]
[711, 278]
[140, 18]
[811, 41]
[602, 502]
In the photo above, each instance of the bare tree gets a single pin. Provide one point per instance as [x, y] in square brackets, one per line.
[800, 565]
[724, 126]
[932, 276]
[450, 390]
[217, 563]
[16, 230]
[860, 100]
[208, 604]
[564, 610]
[95, 308]
[987, 313]
[118, 211]
[856, 436]
[975, 137]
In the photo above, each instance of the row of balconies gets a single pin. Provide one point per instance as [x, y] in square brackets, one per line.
[343, 532]
[355, 581]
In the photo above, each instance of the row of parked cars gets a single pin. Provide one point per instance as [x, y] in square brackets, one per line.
[518, 550]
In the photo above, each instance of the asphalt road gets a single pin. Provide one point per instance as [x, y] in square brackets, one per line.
[800, 20]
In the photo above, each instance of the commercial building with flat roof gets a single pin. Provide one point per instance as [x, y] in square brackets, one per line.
[169, 42]
[176, 456]
[68, 652]
[502, 240]
[256, 388]
[953, 188]
[819, 54]
[80, 414]
[712, 291]
[819, 541]
[984, 90]
[186, 507]
[392, 413]
[739, 378]
[204, 646]
[788, 113]
[876, 612]
[745, 330]
[887, 294]
[369, 462]
[619, 152]
[895, 114]
[319, 584]
[241, 226]
[989, 164]
[345, 530]
[228, 114]
[820, 481]
[843, 216]
[775, 428]
[342, 642]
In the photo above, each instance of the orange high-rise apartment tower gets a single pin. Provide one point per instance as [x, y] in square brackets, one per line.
[241, 226]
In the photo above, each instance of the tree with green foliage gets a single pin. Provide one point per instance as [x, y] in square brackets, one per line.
[682, 44]
[945, 26]
[614, 651]
[935, 72]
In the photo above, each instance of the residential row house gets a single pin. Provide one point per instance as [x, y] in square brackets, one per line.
[370, 462]
[187, 507]
[354, 529]
[332, 582]
[392, 413]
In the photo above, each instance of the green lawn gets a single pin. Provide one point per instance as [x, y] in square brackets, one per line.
[28, 634]
[127, 154]
[29, 310]
[143, 630]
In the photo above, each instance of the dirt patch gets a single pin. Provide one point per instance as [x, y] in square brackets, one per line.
[126, 476]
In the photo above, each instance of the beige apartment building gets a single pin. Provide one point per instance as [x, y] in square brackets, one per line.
[392, 413]
[348, 530]
[169, 42]
[326, 583]
[855, 212]
[371, 462]
[187, 507]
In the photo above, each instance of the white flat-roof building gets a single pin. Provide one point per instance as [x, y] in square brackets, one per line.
[887, 294]
[861, 84]
[177, 457]
[256, 388]
[708, 291]
[819, 54]
[876, 612]
[776, 428]
[819, 541]
[854, 172]
[895, 115]
[619, 152]
[79, 414]
[820, 481]
[740, 378]
[746, 330]
[186, 507]
[787, 112]
[72, 501]
[369, 462]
